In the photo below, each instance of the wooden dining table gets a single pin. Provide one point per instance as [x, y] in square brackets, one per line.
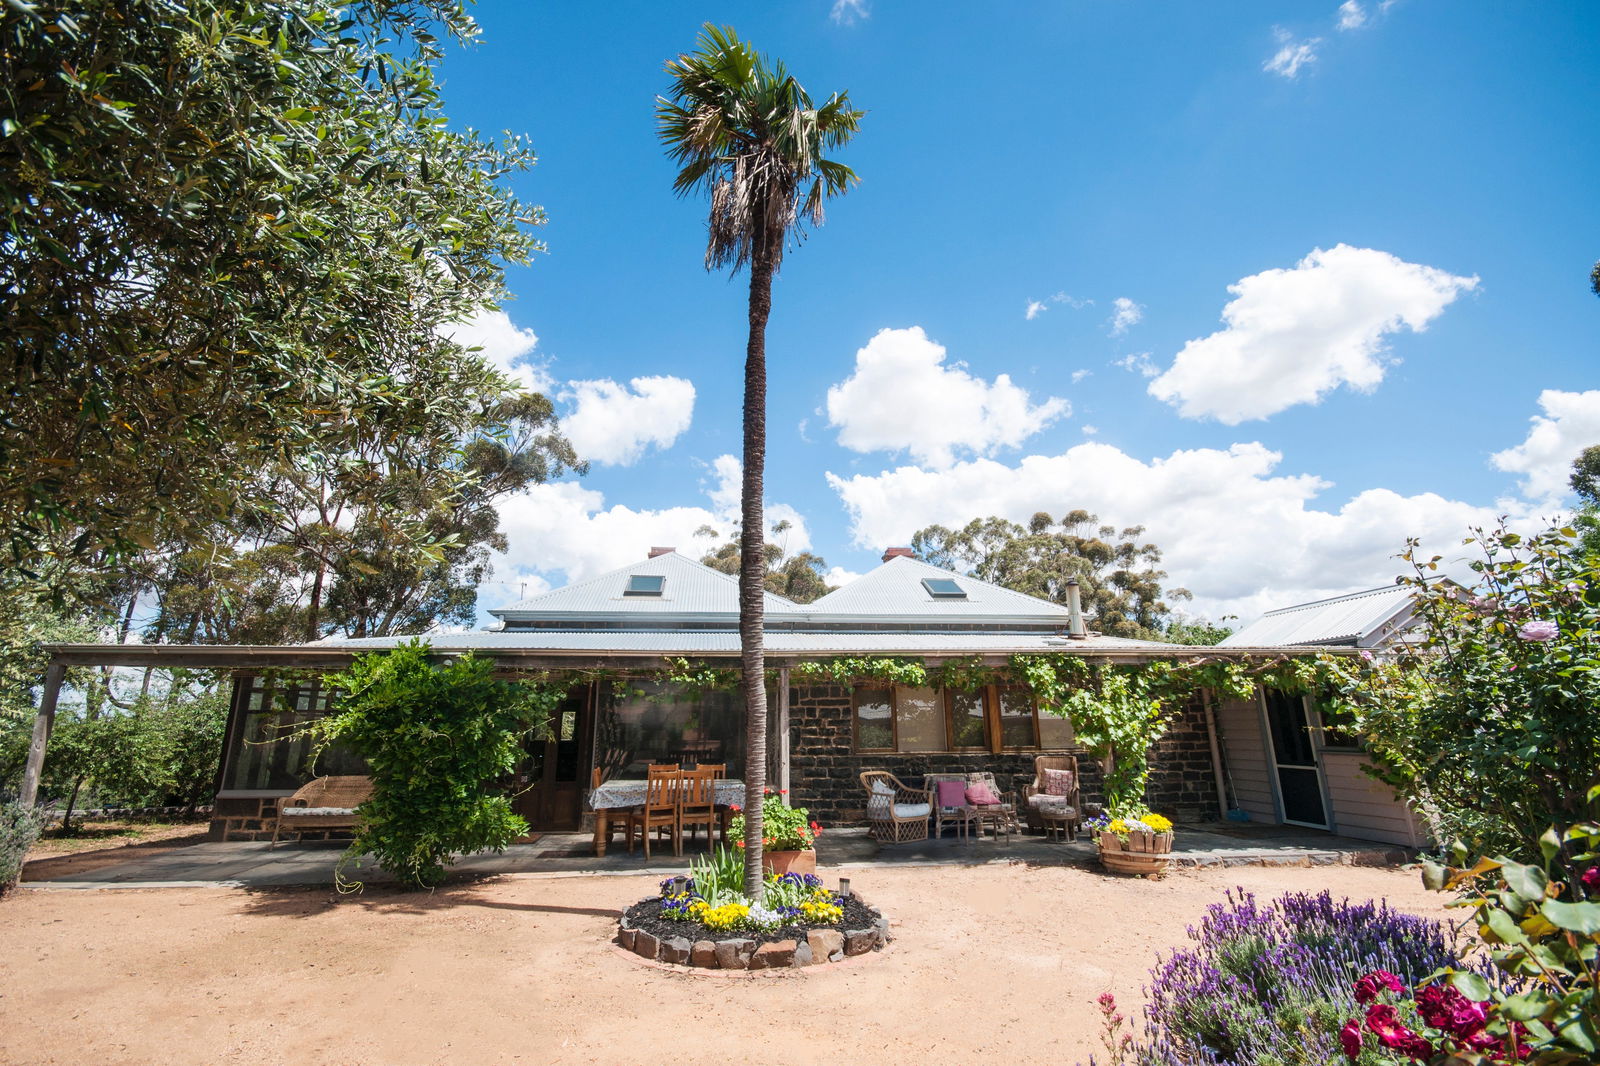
[621, 793]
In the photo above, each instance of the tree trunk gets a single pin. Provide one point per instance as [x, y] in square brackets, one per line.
[315, 608]
[753, 565]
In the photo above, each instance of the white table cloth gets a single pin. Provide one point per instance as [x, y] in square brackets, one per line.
[622, 793]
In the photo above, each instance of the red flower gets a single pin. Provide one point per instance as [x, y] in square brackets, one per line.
[1591, 879]
[1443, 1007]
[1385, 1023]
[1350, 1038]
[1367, 988]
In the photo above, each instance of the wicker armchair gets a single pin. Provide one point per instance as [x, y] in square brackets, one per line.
[1003, 816]
[1034, 798]
[322, 804]
[961, 815]
[896, 813]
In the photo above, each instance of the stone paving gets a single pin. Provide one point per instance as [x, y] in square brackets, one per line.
[254, 864]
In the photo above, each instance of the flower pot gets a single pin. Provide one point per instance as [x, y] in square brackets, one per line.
[1141, 854]
[783, 862]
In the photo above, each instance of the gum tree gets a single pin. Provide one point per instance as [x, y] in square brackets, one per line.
[745, 133]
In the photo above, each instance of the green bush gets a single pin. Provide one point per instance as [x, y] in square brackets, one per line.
[19, 828]
[435, 738]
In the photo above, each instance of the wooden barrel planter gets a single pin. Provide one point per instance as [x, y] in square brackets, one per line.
[1141, 854]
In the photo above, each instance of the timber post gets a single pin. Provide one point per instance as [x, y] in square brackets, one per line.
[43, 722]
[782, 747]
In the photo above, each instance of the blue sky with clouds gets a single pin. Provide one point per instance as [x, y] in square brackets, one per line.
[1284, 283]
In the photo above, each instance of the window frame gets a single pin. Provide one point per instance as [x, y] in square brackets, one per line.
[993, 734]
[856, 692]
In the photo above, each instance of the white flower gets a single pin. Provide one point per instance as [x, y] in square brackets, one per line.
[1538, 630]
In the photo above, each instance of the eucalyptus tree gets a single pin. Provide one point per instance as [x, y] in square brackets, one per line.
[801, 577]
[234, 233]
[745, 133]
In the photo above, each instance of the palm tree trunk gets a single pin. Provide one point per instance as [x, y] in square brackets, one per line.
[753, 565]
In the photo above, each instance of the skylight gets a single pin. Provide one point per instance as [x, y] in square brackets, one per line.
[943, 588]
[644, 585]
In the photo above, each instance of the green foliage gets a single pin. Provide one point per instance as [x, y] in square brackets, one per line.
[1487, 721]
[1585, 479]
[234, 231]
[434, 737]
[1118, 714]
[847, 670]
[718, 874]
[798, 577]
[783, 828]
[1542, 932]
[19, 828]
[698, 678]
[1118, 577]
[28, 621]
[1195, 632]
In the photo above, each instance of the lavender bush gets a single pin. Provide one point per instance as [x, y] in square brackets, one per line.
[1271, 985]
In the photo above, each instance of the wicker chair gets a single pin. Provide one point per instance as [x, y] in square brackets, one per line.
[1034, 797]
[896, 813]
[322, 804]
[962, 814]
[1003, 816]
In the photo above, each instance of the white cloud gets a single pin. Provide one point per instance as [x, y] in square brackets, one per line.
[1091, 431]
[1352, 16]
[1570, 423]
[612, 423]
[505, 345]
[901, 397]
[838, 576]
[1079, 375]
[845, 12]
[1035, 309]
[1241, 537]
[1137, 363]
[1125, 313]
[1291, 55]
[1294, 335]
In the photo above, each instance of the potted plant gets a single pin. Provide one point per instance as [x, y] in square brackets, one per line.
[1133, 841]
[789, 837]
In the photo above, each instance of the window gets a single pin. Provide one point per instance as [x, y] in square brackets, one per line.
[645, 585]
[994, 719]
[266, 750]
[944, 588]
[1338, 725]
[644, 722]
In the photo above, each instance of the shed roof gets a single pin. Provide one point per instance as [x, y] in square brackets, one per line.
[1359, 619]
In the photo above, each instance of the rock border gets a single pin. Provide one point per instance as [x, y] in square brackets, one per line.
[742, 953]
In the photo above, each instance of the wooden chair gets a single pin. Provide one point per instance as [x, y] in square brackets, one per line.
[697, 803]
[1068, 808]
[896, 813]
[660, 808]
[718, 770]
[617, 819]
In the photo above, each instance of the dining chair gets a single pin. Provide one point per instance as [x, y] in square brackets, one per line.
[660, 808]
[697, 803]
[717, 770]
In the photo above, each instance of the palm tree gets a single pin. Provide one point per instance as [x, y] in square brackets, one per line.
[745, 132]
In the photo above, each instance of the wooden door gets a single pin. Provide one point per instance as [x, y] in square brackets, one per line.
[550, 782]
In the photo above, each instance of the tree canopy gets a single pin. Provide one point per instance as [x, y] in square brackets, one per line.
[1118, 576]
[234, 235]
[800, 577]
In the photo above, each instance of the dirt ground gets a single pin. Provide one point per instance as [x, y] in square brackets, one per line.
[99, 844]
[995, 964]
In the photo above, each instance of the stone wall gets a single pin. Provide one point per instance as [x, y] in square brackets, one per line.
[824, 771]
[253, 818]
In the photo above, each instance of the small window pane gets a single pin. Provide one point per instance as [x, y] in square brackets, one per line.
[943, 588]
[645, 585]
[1016, 719]
[966, 720]
[874, 720]
[919, 719]
[1055, 730]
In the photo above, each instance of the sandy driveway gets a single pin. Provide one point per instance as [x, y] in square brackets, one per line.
[993, 964]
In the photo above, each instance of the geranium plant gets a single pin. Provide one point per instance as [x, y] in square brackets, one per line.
[783, 828]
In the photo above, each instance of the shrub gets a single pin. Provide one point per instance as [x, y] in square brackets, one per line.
[435, 738]
[784, 828]
[19, 828]
[1272, 985]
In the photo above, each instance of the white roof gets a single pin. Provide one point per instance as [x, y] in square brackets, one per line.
[691, 591]
[778, 642]
[895, 592]
[1360, 619]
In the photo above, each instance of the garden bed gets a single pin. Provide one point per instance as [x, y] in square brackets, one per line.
[644, 931]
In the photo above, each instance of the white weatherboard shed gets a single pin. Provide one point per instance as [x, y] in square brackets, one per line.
[1286, 762]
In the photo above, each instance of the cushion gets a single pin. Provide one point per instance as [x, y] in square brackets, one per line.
[1058, 782]
[882, 788]
[912, 810]
[1052, 805]
[300, 812]
[952, 794]
[981, 796]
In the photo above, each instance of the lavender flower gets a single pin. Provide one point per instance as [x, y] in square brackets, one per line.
[1539, 631]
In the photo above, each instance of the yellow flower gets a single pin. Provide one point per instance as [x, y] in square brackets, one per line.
[1157, 823]
[1118, 826]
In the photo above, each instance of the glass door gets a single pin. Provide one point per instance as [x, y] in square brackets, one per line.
[1294, 755]
[549, 785]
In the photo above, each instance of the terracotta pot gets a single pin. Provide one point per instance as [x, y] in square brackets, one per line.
[1140, 854]
[783, 862]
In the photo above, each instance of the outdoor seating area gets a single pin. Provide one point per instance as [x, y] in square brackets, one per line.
[322, 804]
[670, 801]
[971, 802]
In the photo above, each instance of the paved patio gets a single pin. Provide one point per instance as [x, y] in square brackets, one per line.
[257, 865]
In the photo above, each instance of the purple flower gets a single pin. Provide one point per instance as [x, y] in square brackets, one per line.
[1538, 630]
[1367, 655]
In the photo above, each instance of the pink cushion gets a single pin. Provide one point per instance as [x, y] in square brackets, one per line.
[1058, 782]
[952, 793]
[981, 796]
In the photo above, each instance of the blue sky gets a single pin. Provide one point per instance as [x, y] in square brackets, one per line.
[1284, 283]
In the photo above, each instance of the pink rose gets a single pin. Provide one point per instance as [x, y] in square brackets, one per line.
[1538, 631]
[1350, 1038]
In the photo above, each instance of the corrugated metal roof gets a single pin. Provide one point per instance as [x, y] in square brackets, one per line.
[672, 642]
[895, 590]
[690, 589]
[1361, 619]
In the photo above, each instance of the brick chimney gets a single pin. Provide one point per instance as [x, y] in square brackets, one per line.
[661, 551]
[896, 553]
